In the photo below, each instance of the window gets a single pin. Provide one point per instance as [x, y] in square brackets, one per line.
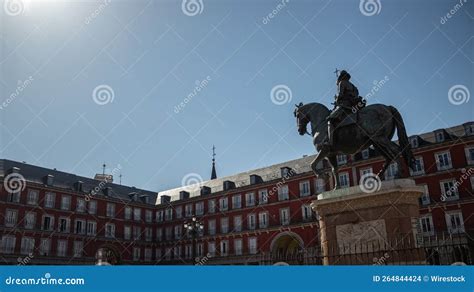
[80, 226]
[238, 223]
[449, 190]
[27, 245]
[425, 198]
[148, 254]
[177, 232]
[13, 197]
[159, 234]
[136, 253]
[414, 142]
[65, 202]
[48, 223]
[223, 204]
[49, 200]
[470, 155]
[199, 208]
[149, 234]
[127, 232]
[443, 160]
[249, 199]
[341, 159]
[427, 227]
[168, 233]
[8, 244]
[11, 217]
[304, 188]
[262, 196]
[188, 210]
[439, 136]
[45, 246]
[159, 216]
[224, 247]
[320, 185]
[30, 220]
[211, 248]
[252, 245]
[263, 220]
[110, 210]
[199, 249]
[306, 212]
[91, 228]
[344, 180]
[137, 233]
[32, 197]
[61, 248]
[283, 193]
[238, 246]
[455, 222]
[211, 227]
[179, 212]
[80, 205]
[168, 214]
[78, 247]
[365, 154]
[418, 167]
[177, 252]
[211, 205]
[285, 216]
[92, 207]
[64, 225]
[188, 251]
[137, 214]
[110, 230]
[127, 213]
[148, 216]
[251, 222]
[237, 202]
[392, 171]
[168, 253]
[366, 171]
[469, 129]
[224, 225]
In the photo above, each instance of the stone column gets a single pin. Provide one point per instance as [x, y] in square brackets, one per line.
[370, 226]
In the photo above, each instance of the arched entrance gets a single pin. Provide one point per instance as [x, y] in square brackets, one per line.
[287, 247]
[107, 255]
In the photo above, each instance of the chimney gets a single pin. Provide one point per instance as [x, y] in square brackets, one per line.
[183, 195]
[229, 185]
[205, 190]
[255, 179]
[165, 199]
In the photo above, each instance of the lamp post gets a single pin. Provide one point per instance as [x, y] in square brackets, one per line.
[192, 229]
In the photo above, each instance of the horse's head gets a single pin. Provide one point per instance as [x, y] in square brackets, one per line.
[302, 118]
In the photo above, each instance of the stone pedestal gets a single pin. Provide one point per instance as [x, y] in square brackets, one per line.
[366, 227]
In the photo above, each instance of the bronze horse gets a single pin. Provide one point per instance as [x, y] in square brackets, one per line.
[375, 126]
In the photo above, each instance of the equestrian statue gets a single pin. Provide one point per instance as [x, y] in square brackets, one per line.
[352, 127]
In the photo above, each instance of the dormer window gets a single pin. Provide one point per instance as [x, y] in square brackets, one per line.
[341, 159]
[439, 137]
[469, 129]
[365, 154]
[414, 142]
[285, 172]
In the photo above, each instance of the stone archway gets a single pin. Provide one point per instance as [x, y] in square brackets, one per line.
[287, 247]
[108, 255]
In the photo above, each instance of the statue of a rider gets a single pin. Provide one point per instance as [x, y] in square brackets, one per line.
[347, 96]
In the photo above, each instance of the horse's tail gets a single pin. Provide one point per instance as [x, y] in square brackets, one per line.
[405, 146]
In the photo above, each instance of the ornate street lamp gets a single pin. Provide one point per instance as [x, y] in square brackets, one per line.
[193, 228]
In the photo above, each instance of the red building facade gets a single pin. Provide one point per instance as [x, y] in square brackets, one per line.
[245, 218]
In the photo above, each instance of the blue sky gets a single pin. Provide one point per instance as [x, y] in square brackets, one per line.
[151, 54]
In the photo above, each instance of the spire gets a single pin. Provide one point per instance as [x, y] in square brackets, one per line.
[213, 173]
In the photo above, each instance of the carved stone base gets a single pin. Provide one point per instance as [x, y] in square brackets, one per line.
[370, 227]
